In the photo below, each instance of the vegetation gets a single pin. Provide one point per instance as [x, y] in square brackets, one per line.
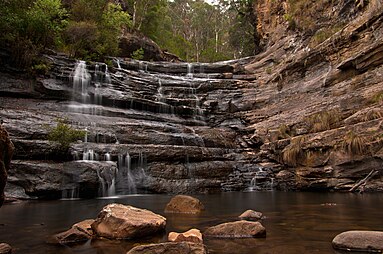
[324, 120]
[64, 134]
[293, 152]
[138, 54]
[354, 144]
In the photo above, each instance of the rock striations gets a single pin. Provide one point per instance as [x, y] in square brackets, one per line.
[306, 114]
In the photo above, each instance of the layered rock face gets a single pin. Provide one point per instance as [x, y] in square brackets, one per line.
[306, 114]
[318, 104]
[150, 126]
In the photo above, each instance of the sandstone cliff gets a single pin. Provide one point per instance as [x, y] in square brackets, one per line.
[318, 94]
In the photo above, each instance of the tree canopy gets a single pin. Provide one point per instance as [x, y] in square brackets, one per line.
[192, 29]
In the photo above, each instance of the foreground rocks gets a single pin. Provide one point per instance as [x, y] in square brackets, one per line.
[5, 248]
[170, 248]
[193, 235]
[366, 241]
[6, 152]
[116, 221]
[184, 204]
[79, 232]
[251, 215]
[238, 229]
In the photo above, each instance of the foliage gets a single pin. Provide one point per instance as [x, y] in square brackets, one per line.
[64, 134]
[284, 131]
[293, 152]
[138, 54]
[354, 144]
[323, 121]
[29, 26]
[373, 114]
[377, 97]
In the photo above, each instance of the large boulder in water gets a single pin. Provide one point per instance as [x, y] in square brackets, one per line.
[251, 215]
[238, 229]
[170, 248]
[366, 241]
[117, 221]
[6, 152]
[184, 204]
[5, 248]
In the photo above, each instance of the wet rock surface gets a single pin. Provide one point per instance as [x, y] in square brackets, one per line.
[170, 248]
[184, 204]
[116, 221]
[361, 241]
[238, 229]
[192, 235]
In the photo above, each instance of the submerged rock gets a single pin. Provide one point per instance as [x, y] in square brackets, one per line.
[251, 215]
[184, 204]
[79, 232]
[170, 248]
[117, 221]
[5, 248]
[6, 152]
[193, 235]
[238, 229]
[367, 241]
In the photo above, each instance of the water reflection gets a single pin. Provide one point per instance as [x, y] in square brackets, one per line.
[295, 223]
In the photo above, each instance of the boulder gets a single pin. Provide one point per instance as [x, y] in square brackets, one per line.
[6, 152]
[251, 215]
[193, 235]
[170, 248]
[184, 204]
[238, 229]
[368, 241]
[79, 232]
[5, 248]
[117, 221]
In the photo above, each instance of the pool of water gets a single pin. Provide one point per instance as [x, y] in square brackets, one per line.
[295, 222]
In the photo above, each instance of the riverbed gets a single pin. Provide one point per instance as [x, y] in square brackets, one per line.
[295, 222]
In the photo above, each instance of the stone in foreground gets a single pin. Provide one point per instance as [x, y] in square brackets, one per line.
[5, 248]
[366, 241]
[193, 235]
[251, 215]
[184, 204]
[79, 232]
[170, 248]
[117, 221]
[238, 229]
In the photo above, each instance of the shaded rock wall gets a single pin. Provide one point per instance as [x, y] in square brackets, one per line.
[6, 152]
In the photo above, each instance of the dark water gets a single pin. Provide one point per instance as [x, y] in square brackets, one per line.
[295, 223]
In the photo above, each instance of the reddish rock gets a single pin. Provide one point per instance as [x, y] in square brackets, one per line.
[5, 248]
[184, 204]
[193, 235]
[170, 248]
[366, 241]
[79, 232]
[6, 152]
[238, 229]
[251, 215]
[116, 221]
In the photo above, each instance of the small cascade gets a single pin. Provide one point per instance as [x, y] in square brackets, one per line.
[107, 157]
[81, 80]
[71, 194]
[118, 63]
[125, 179]
[90, 155]
[142, 67]
[261, 181]
[108, 80]
[107, 178]
[190, 71]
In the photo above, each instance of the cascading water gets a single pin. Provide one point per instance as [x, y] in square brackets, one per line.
[190, 71]
[125, 181]
[81, 80]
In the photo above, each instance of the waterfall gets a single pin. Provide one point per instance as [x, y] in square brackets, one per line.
[190, 70]
[125, 178]
[107, 75]
[81, 80]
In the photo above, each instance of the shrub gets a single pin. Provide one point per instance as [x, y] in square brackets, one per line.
[354, 144]
[64, 134]
[293, 152]
[138, 54]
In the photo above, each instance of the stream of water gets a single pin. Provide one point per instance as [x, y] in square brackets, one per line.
[295, 222]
